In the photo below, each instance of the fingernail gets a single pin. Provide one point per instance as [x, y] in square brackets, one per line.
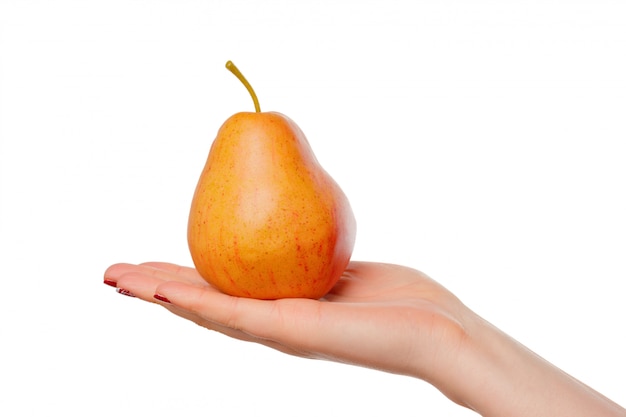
[110, 282]
[125, 292]
[161, 298]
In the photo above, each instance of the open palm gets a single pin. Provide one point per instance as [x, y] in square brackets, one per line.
[383, 316]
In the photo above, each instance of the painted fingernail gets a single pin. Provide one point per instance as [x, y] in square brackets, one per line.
[161, 298]
[125, 292]
[110, 282]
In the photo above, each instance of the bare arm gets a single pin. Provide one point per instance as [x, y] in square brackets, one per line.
[504, 378]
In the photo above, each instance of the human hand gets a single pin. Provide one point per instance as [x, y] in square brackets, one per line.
[382, 316]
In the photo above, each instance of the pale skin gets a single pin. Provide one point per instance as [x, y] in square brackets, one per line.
[387, 317]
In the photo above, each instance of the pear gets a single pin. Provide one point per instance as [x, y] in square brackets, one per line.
[266, 220]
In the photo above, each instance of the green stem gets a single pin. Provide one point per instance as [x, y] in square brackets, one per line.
[232, 68]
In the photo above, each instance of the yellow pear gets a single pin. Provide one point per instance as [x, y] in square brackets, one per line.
[266, 220]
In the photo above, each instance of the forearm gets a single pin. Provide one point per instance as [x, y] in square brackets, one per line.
[497, 376]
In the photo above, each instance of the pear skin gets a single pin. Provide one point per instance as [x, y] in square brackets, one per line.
[266, 220]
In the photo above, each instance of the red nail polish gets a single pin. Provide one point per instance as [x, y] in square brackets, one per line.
[110, 282]
[125, 292]
[161, 298]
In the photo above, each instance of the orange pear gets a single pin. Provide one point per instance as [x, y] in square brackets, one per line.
[266, 220]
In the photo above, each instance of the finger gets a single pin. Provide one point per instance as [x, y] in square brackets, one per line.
[139, 284]
[160, 270]
[284, 321]
[182, 273]
[233, 333]
[142, 281]
[114, 272]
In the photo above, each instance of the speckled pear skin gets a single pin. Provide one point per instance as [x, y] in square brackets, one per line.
[266, 220]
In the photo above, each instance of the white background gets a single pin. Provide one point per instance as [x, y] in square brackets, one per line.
[481, 142]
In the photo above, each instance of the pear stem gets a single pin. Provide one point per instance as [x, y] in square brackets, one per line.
[232, 68]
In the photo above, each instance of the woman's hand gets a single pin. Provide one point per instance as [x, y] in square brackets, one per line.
[382, 316]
